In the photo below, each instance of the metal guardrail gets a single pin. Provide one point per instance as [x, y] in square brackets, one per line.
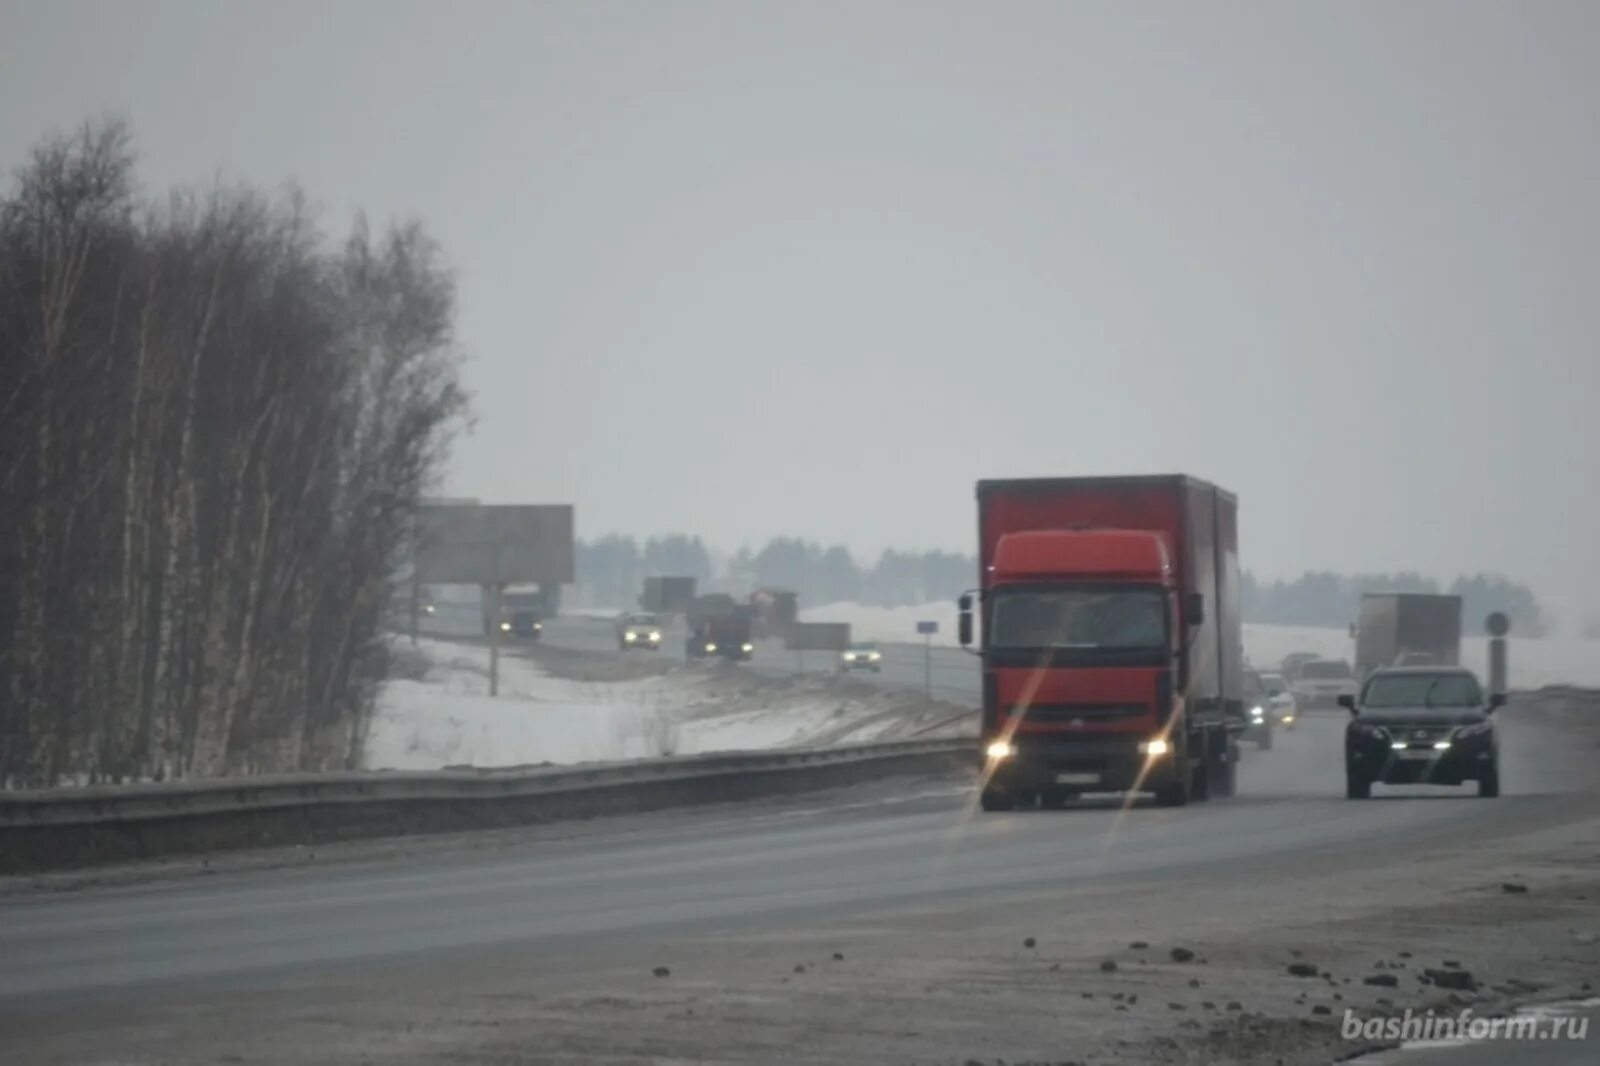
[101, 805]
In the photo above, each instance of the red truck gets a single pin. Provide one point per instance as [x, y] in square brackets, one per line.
[1111, 640]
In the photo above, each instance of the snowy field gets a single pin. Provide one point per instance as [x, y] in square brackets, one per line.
[1534, 663]
[446, 717]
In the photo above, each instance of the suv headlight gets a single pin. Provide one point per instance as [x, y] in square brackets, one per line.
[1476, 729]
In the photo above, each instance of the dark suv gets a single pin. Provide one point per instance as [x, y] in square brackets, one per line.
[1421, 726]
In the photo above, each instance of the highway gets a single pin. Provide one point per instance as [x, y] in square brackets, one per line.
[204, 968]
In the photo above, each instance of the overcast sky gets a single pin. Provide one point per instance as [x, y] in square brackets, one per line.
[754, 268]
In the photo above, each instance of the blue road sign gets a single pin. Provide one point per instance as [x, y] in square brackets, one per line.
[927, 628]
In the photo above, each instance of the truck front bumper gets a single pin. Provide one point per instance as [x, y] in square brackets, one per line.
[1079, 764]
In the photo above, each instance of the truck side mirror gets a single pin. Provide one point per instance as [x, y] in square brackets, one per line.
[964, 620]
[1348, 703]
[1497, 699]
[1194, 608]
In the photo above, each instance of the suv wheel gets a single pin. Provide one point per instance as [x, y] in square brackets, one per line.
[1356, 788]
[1489, 783]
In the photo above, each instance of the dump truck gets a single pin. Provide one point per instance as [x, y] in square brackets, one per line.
[1407, 629]
[1111, 644]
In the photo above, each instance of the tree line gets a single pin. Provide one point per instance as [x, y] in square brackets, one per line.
[612, 568]
[1326, 599]
[213, 426]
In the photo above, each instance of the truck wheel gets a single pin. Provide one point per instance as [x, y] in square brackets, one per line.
[1356, 788]
[1489, 783]
[991, 800]
[1174, 794]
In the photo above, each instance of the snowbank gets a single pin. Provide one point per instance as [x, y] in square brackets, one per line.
[1534, 663]
[448, 719]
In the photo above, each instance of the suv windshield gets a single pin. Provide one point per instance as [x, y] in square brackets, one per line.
[1079, 618]
[1423, 690]
[1326, 671]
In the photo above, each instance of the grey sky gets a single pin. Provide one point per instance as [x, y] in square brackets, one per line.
[747, 268]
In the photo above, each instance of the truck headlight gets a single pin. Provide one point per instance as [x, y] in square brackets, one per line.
[711, 647]
[1154, 748]
[875, 656]
[505, 627]
[630, 636]
[849, 657]
[1258, 712]
[747, 647]
[1000, 749]
[654, 637]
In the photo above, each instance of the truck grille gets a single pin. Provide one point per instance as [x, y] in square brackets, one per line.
[1066, 712]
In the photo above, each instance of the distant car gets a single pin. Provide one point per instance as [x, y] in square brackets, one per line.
[639, 631]
[1258, 720]
[1321, 682]
[1421, 726]
[1280, 701]
[864, 655]
[1290, 667]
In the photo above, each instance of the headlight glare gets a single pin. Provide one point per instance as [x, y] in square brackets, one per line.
[1000, 749]
[1153, 748]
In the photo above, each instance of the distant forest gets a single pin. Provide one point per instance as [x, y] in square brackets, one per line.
[611, 569]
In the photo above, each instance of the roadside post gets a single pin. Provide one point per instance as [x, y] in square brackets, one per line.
[1498, 626]
[927, 629]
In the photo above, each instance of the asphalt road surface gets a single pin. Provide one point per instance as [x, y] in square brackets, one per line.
[575, 894]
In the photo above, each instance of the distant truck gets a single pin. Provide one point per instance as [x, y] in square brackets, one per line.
[719, 626]
[1407, 629]
[667, 595]
[523, 609]
[1111, 638]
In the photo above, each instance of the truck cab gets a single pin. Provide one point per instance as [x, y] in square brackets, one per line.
[1102, 671]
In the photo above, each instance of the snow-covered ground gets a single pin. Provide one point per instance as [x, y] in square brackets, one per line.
[1533, 663]
[447, 718]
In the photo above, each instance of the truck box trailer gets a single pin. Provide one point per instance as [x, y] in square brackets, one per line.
[1111, 638]
[1407, 628]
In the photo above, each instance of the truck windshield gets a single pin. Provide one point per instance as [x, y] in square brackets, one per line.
[1423, 690]
[1079, 618]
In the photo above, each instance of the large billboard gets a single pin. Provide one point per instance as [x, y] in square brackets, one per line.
[494, 544]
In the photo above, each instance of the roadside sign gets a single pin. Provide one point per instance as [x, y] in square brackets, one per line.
[927, 629]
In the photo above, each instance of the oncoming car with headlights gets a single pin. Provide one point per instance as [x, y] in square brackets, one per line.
[864, 655]
[639, 631]
[1421, 726]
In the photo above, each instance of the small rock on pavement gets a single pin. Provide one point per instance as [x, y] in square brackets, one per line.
[661, 971]
[1134, 998]
[1321, 1009]
[1460, 980]
[1515, 888]
[1176, 1006]
[1234, 1004]
[838, 956]
[799, 967]
[1030, 942]
[1139, 945]
[1405, 954]
[1302, 969]
[1382, 980]
[1194, 982]
[1182, 955]
[1296, 952]
[1108, 966]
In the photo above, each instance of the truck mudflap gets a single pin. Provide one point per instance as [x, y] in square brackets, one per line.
[1080, 765]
